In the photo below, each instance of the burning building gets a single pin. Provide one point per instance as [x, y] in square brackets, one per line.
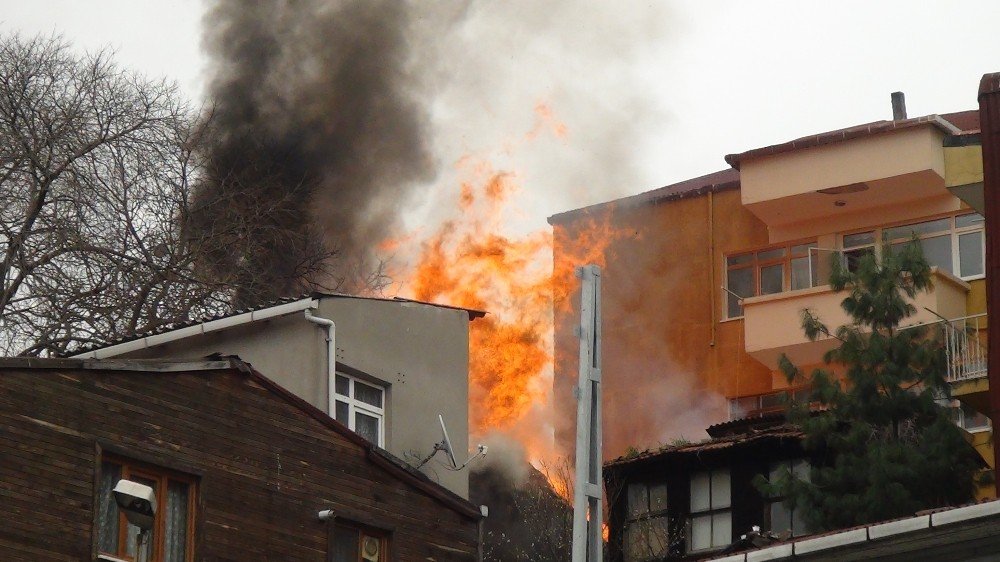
[705, 283]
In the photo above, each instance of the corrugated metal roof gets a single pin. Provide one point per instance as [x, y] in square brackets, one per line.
[785, 431]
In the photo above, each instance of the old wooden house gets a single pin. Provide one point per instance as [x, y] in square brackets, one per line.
[241, 469]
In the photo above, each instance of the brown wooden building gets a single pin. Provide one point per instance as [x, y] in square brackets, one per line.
[241, 467]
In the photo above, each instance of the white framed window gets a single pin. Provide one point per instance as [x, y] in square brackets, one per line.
[768, 271]
[647, 526]
[360, 405]
[781, 518]
[956, 244]
[711, 522]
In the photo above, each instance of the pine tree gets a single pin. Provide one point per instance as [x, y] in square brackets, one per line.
[882, 445]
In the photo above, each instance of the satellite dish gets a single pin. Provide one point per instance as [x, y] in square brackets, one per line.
[445, 445]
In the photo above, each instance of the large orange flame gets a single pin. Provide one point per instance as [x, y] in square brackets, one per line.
[473, 261]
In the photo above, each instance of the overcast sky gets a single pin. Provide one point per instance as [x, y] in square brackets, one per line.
[689, 81]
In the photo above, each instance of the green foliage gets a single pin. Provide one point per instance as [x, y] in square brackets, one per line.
[885, 447]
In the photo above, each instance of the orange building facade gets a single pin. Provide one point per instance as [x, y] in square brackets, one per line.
[704, 281]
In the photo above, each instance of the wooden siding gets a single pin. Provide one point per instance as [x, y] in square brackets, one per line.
[265, 467]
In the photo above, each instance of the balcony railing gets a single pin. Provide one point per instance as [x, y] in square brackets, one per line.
[965, 345]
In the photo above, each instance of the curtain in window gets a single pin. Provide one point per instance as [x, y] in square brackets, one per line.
[107, 525]
[176, 523]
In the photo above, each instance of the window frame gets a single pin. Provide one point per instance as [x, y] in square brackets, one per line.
[755, 264]
[645, 517]
[354, 406]
[953, 232]
[133, 468]
[712, 512]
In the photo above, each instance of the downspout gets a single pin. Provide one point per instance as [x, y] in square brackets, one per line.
[331, 359]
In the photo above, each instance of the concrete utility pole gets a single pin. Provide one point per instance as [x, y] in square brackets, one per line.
[587, 538]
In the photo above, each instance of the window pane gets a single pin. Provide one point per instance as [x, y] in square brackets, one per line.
[740, 281]
[343, 386]
[700, 500]
[973, 219]
[739, 259]
[907, 231]
[772, 279]
[972, 419]
[772, 400]
[107, 539]
[720, 488]
[781, 517]
[801, 470]
[637, 504]
[854, 257]
[343, 413]
[803, 249]
[657, 497]
[366, 426]
[768, 255]
[658, 536]
[368, 394]
[970, 254]
[859, 239]
[801, 273]
[176, 524]
[346, 545]
[937, 251]
[722, 529]
[799, 526]
[635, 541]
[701, 532]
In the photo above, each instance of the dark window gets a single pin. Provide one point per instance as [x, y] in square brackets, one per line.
[781, 517]
[647, 528]
[171, 537]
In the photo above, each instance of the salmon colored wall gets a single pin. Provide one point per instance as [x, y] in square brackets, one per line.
[666, 371]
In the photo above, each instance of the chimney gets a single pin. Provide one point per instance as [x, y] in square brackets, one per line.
[898, 106]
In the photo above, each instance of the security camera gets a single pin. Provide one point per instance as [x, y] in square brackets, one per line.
[137, 501]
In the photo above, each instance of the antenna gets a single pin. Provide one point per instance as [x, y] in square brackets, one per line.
[445, 445]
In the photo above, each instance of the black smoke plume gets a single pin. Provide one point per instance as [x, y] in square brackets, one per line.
[313, 143]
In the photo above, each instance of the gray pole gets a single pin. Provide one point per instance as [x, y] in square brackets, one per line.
[587, 534]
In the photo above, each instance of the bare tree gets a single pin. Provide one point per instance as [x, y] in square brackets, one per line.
[96, 165]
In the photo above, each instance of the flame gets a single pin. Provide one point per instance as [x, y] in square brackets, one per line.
[473, 261]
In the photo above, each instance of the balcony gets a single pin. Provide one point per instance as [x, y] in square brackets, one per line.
[881, 172]
[773, 323]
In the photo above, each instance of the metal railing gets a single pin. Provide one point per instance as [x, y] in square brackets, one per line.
[965, 346]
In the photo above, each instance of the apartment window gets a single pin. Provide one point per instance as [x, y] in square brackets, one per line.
[784, 519]
[711, 523]
[361, 407]
[171, 538]
[353, 544]
[768, 271]
[955, 244]
[647, 528]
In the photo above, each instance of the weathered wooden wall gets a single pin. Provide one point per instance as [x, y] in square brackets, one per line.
[265, 467]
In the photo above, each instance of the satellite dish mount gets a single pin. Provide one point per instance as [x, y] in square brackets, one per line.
[445, 445]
